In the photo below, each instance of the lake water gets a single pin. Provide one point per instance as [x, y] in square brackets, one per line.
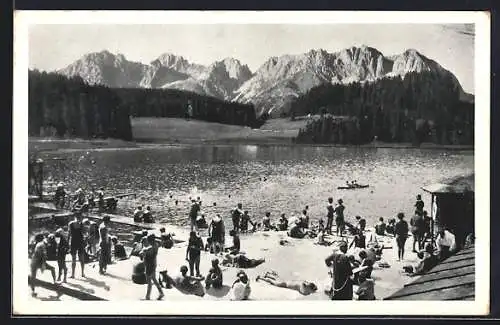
[263, 178]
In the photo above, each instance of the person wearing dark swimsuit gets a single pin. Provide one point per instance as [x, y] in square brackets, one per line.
[62, 250]
[76, 240]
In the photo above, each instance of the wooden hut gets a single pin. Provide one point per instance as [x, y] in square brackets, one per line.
[453, 206]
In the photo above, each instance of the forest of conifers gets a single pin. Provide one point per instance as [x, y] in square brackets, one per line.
[68, 107]
[421, 107]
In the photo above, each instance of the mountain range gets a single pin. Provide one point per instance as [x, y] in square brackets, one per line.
[271, 88]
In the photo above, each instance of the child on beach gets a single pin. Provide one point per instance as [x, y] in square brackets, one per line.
[366, 287]
[214, 277]
[241, 287]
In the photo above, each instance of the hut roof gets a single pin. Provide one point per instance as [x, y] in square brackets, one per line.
[452, 279]
[457, 184]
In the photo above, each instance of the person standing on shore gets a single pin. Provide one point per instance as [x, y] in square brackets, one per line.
[76, 240]
[39, 261]
[341, 274]
[339, 217]
[419, 205]
[149, 254]
[236, 216]
[193, 253]
[304, 218]
[104, 244]
[329, 216]
[193, 214]
[217, 233]
[92, 236]
[62, 251]
[417, 230]
[401, 234]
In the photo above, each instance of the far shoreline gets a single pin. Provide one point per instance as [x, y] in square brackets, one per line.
[58, 144]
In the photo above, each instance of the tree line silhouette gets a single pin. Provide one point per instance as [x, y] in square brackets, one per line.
[68, 107]
[421, 107]
[175, 103]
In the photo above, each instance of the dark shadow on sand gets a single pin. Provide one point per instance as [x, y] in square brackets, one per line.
[50, 298]
[219, 293]
[97, 283]
[117, 277]
[80, 287]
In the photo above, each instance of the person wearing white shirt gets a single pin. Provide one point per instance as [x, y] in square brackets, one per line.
[241, 287]
[446, 243]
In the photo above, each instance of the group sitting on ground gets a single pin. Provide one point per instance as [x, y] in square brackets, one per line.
[145, 216]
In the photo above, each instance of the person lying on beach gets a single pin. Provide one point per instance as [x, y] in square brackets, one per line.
[214, 276]
[241, 261]
[235, 249]
[303, 287]
[241, 287]
[186, 283]
[283, 223]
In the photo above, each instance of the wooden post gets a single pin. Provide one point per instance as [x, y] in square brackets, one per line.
[432, 221]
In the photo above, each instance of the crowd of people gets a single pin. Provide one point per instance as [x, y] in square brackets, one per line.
[350, 273]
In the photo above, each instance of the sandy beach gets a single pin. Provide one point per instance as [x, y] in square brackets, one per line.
[300, 259]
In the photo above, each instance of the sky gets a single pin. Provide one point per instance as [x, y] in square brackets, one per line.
[55, 46]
